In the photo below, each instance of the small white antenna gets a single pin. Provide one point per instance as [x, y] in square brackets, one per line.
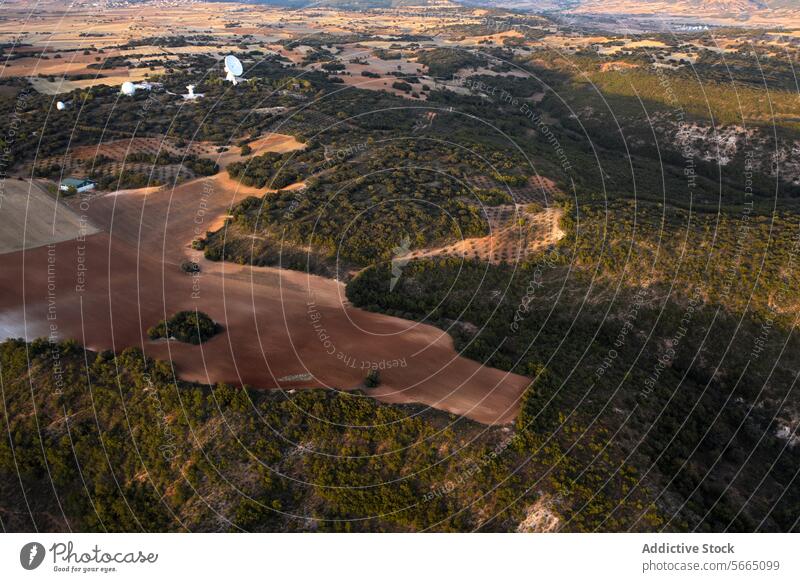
[191, 95]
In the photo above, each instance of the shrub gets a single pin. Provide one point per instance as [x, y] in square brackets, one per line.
[190, 267]
[373, 379]
[193, 327]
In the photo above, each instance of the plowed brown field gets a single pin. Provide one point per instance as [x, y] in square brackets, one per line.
[282, 328]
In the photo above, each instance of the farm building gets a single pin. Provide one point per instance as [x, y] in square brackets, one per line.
[79, 185]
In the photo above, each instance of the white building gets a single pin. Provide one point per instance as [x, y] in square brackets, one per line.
[79, 185]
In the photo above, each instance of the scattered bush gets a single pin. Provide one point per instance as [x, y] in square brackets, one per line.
[193, 327]
[373, 379]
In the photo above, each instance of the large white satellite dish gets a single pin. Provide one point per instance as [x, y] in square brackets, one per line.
[128, 88]
[233, 68]
[61, 106]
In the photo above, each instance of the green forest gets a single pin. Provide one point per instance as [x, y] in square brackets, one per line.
[117, 444]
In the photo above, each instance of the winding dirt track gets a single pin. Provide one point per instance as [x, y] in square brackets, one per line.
[282, 328]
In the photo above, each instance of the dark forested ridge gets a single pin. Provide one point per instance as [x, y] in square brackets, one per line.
[116, 444]
[683, 350]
